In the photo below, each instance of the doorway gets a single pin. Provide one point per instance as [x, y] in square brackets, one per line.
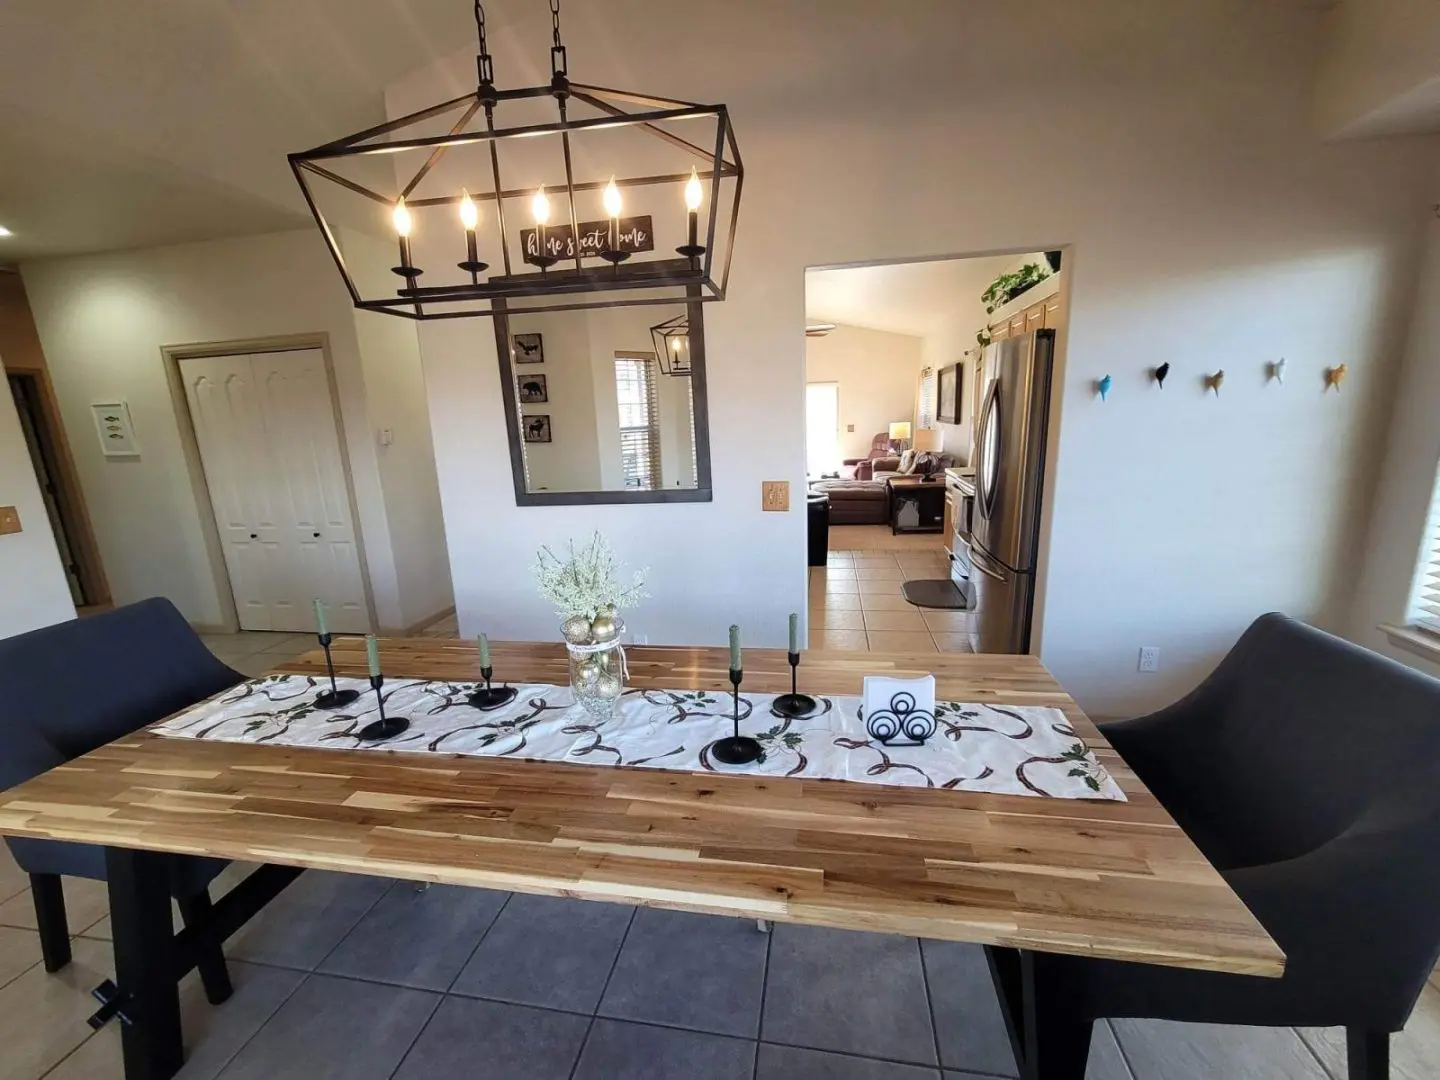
[278, 487]
[57, 489]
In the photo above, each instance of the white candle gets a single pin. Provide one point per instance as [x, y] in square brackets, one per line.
[484, 643]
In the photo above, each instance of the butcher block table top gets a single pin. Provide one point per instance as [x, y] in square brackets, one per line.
[1104, 879]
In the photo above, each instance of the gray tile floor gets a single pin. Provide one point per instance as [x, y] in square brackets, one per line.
[355, 978]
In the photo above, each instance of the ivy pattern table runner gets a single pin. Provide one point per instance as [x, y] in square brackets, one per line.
[1004, 749]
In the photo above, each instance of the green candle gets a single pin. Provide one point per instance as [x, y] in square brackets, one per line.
[372, 654]
[320, 627]
[794, 632]
[484, 642]
[734, 648]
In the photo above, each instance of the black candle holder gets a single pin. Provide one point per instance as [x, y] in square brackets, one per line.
[691, 252]
[794, 704]
[387, 727]
[334, 698]
[474, 267]
[613, 257]
[487, 698]
[736, 749]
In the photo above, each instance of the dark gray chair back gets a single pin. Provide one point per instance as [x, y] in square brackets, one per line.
[70, 688]
[1297, 738]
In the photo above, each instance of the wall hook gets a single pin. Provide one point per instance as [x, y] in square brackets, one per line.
[1160, 373]
[1214, 382]
[1102, 387]
[1335, 376]
[1277, 371]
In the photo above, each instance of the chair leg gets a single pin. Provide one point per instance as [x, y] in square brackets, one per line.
[49, 900]
[1368, 1053]
[213, 972]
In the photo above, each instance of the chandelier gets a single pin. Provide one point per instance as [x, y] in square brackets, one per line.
[587, 197]
[672, 344]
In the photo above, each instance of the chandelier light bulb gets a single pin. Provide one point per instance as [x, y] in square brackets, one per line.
[675, 344]
[611, 198]
[401, 217]
[469, 212]
[540, 207]
[693, 191]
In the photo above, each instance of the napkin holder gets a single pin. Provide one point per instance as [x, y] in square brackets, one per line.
[899, 712]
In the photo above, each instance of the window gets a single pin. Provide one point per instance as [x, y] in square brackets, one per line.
[822, 428]
[925, 414]
[1425, 593]
[639, 422]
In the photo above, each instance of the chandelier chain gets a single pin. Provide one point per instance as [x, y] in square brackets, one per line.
[484, 65]
[558, 64]
[555, 21]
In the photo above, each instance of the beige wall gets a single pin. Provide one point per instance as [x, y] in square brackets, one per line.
[1210, 229]
[103, 320]
[1386, 568]
[877, 373]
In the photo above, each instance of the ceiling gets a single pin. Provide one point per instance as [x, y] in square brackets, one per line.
[903, 298]
[142, 122]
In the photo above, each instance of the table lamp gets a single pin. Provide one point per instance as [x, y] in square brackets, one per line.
[899, 434]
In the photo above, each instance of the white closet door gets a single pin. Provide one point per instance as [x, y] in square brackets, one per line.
[308, 478]
[271, 452]
[230, 432]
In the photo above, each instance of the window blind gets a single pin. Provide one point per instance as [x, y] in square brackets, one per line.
[1425, 595]
[925, 414]
[639, 422]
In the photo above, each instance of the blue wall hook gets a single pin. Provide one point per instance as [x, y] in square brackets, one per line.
[1104, 387]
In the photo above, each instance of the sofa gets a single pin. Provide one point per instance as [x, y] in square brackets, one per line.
[855, 502]
[882, 468]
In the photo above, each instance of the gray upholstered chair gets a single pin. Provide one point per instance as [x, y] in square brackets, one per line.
[70, 688]
[1307, 769]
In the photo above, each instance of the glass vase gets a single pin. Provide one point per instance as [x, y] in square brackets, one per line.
[597, 675]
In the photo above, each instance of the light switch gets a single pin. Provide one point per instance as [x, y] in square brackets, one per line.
[9, 520]
[775, 495]
[387, 437]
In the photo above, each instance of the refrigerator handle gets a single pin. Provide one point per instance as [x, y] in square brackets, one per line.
[979, 560]
[984, 490]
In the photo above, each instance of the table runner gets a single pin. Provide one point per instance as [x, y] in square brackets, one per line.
[1005, 749]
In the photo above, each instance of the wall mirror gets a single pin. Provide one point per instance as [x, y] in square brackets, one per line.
[606, 405]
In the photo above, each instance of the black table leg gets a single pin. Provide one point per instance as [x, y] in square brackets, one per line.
[145, 962]
[1048, 1033]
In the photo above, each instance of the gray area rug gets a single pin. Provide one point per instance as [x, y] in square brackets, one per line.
[935, 593]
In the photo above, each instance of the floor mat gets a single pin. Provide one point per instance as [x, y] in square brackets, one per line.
[935, 593]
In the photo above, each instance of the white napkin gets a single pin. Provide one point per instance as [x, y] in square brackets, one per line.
[902, 710]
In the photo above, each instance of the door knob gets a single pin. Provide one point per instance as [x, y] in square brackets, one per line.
[317, 536]
[254, 536]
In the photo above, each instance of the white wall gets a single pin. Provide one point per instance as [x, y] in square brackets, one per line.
[1387, 566]
[103, 320]
[33, 590]
[1210, 229]
[877, 373]
[568, 462]
[1381, 69]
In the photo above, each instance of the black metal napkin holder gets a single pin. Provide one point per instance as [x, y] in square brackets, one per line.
[794, 704]
[334, 698]
[736, 749]
[387, 727]
[902, 724]
[488, 698]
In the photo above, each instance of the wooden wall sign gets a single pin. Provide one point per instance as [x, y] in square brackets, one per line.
[635, 235]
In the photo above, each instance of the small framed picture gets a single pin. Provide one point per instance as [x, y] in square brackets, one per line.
[532, 389]
[528, 349]
[537, 428]
[117, 433]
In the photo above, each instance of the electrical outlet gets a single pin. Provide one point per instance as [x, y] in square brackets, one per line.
[1149, 657]
[775, 495]
[640, 639]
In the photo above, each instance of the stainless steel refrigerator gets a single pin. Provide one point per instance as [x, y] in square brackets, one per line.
[1009, 476]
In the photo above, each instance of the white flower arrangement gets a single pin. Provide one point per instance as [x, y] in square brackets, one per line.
[586, 584]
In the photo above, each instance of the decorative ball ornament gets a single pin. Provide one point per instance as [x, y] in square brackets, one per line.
[604, 628]
[576, 630]
[608, 686]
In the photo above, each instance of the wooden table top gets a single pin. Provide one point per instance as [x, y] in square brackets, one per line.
[1107, 879]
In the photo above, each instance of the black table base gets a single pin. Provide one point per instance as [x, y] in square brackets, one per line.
[1050, 1036]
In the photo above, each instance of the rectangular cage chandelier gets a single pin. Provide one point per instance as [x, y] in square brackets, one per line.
[586, 198]
[672, 344]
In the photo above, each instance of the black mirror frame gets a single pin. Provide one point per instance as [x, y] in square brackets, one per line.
[701, 492]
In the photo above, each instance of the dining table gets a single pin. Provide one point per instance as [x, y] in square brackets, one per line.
[1027, 877]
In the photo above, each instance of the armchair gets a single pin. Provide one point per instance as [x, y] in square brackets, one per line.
[879, 448]
[1307, 770]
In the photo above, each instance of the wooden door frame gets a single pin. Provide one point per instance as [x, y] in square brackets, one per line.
[171, 356]
[69, 494]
